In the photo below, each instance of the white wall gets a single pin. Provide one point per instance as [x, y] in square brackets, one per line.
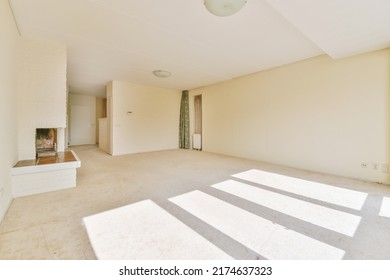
[9, 39]
[153, 124]
[320, 114]
[82, 128]
[41, 91]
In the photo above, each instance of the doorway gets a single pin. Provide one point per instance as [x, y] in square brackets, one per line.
[82, 126]
[197, 139]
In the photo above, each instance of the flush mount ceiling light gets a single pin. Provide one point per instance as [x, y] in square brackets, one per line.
[224, 8]
[161, 73]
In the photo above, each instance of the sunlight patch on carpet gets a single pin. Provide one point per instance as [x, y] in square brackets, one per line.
[330, 194]
[270, 240]
[385, 207]
[325, 217]
[145, 231]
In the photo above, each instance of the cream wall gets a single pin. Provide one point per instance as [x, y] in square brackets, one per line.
[9, 38]
[319, 114]
[41, 91]
[153, 123]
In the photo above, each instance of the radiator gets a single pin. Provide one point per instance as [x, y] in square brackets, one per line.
[197, 141]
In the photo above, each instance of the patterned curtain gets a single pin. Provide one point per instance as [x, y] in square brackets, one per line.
[184, 129]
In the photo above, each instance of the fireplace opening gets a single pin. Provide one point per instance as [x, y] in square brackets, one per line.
[46, 142]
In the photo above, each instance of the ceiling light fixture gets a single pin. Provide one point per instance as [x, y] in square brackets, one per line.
[161, 73]
[224, 8]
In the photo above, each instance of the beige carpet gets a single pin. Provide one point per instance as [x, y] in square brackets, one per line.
[168, 204]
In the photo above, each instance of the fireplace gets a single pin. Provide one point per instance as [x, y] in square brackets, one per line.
[46, 142]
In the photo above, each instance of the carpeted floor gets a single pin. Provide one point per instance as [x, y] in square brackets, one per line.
[170, 204]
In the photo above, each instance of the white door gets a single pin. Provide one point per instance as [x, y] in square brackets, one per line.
[82, 126]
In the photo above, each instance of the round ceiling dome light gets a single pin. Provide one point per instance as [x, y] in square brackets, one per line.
[161, 73]
[223, 8]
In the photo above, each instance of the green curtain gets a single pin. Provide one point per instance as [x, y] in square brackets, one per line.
[184, 129]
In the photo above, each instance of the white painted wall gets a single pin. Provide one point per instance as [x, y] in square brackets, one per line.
[82, 126]
[153, 123]
[41, 91]
[319, 114]
[9, 45]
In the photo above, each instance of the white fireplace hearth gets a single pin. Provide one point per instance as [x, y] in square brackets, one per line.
[45, 174]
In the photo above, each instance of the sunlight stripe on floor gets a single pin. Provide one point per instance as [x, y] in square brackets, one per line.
[270, 240]
[145, 231]
[385, 207]
[331, 194]
[325, 217]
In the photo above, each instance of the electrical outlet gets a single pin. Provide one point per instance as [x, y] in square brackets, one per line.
[385, 168]
[364, 165]
[375, 166]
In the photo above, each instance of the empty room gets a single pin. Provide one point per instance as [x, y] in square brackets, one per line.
[195, 130]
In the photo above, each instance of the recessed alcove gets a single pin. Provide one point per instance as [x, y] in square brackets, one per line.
[45, 142]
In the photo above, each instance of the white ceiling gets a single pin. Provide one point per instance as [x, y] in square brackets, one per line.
[128, 39]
